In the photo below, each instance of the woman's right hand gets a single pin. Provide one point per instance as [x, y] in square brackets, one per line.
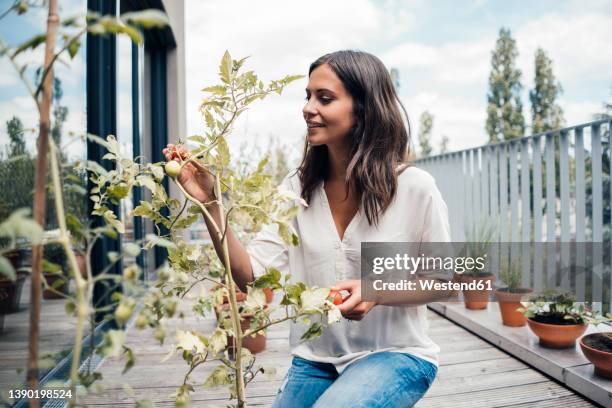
[195, 178]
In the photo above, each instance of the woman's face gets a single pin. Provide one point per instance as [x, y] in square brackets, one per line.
[329, 108]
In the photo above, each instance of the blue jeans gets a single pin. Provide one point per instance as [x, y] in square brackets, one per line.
[384, 379]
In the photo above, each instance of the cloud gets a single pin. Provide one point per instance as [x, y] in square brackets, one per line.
[282, 38]
[579, 46]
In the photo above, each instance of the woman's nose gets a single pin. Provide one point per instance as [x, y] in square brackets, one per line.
[309, 109]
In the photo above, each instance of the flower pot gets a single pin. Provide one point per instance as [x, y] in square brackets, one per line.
[477, 299]
[557, 335]
[10, 291]
[508, 303]
[255, 344]
[59, 282]
[597, 348]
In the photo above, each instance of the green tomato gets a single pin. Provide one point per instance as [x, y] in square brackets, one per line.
[141, 322]
[123, 313]
[159, 334]
[172, 168]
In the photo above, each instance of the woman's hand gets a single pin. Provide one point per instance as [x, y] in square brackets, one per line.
[195, 178]
[353, 307]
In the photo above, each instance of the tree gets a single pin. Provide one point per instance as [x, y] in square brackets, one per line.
[425, 126]
[505, 110]
[14, 128]
[545, 113]
[444, 144]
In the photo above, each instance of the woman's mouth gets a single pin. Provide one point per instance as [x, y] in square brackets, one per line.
[313, 125]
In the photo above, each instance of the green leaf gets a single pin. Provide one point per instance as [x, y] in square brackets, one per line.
[314, 299]
[218, 341]
[216, 89]
[220, 376]
[271, 279]
[225, 67]
[32, 43]
[18, 224]
[149, 18]
[131, 360]
[159, 241]
[73, 47]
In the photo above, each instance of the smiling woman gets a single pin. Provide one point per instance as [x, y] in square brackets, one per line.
[359, 189]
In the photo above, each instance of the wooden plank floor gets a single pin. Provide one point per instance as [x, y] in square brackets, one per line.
[56, 337]
[473, 373]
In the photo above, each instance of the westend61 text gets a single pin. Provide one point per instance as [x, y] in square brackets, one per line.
[432, 285]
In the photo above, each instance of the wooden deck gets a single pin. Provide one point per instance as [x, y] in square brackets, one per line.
[473, 373]
[56, 338]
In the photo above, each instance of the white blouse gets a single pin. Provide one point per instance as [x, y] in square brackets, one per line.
[418, 214]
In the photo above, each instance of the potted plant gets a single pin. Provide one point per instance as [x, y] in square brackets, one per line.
[557, 320]
[54, 271]
[12, 286]
[597, 348]
[479, 243]
[511, 296]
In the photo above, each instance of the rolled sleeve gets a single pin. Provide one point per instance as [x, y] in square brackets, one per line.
[267, 250]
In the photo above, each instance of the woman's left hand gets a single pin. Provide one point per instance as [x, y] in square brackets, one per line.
[353, 307]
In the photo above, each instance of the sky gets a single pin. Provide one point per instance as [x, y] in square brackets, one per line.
[441, 48]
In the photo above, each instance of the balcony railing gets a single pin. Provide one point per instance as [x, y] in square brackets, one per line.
[550, 187]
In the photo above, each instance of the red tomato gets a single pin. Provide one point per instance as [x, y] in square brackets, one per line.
[335, 297]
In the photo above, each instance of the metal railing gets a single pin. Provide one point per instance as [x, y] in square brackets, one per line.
[549, 187]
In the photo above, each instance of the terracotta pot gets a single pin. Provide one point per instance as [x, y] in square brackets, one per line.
[508, 303]
[602, 360]
[477, 299]
[255, 344]
[557, 335]
[10, 291]
[51, 279]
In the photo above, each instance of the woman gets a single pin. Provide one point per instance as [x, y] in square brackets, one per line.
[358, 189]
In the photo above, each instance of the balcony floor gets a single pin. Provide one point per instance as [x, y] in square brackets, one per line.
[473, 373]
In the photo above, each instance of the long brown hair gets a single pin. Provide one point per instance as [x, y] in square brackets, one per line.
[379, 139]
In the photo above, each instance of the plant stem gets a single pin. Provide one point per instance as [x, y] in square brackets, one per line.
[39, 200]
[81, 285]
[233, 304]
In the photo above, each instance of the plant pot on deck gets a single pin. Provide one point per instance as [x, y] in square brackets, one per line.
[477, 299]
[597, 348]
[255, 344]
[556, 335]
[509, 302]
[10, 291]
